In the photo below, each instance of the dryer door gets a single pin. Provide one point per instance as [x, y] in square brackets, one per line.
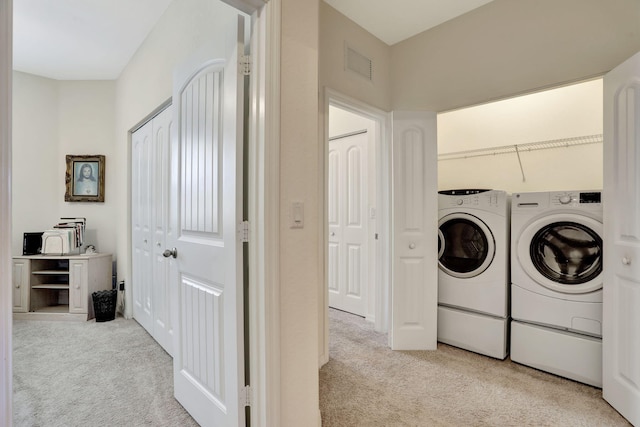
[563, 252]
[466, 245]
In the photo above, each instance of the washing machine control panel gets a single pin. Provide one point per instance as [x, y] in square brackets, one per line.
[489, 199]
[576, 198]
[466, 201]
[565, 199]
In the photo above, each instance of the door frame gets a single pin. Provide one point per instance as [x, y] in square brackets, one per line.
[263, 192]
[6, 306]
[382, 293]
[264, 209]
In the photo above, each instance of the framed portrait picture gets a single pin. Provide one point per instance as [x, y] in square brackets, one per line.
[84, 178]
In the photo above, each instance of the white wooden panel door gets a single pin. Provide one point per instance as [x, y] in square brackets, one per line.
[141, 240]
[621, 307]
[207, 197]
[348, 231]
[150, 183]
[160, 188]
[414, 292]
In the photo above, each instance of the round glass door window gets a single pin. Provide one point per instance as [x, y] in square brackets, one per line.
[466, 246]
[567, 253]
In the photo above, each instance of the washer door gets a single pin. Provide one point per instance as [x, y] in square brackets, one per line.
[466, 246]
[563, 253]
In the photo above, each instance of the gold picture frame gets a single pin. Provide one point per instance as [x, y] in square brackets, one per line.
[84, 179]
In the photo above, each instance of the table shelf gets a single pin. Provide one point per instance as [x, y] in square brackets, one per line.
[52, 287]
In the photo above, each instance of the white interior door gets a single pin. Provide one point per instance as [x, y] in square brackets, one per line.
[348, 223]
[141, 226]
[161, 315]
[206, 264]
[150, 225]
[621, 316]
[414, 311]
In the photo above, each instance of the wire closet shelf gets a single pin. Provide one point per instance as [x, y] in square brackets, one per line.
[519, 148]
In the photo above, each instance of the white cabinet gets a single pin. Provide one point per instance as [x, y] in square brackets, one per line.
[150, 181]
[51, 287]
[20, 288]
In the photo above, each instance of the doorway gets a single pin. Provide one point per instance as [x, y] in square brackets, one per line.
[357, 134]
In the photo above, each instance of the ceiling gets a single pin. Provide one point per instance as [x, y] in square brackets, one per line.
[80, 39]
[397, 20]
[94, 39]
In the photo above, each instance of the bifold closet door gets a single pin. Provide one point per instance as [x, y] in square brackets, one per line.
[150, 180]
[621, 297]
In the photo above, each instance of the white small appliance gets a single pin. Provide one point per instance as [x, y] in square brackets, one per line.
[473, 276]
[556, 290]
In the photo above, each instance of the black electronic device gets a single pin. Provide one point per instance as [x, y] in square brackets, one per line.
[32, 243]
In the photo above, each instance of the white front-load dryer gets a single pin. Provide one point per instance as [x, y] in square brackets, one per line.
[473, 276]
[556, 275]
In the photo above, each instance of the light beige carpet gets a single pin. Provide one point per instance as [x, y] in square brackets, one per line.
[367, 384]
[77, 374]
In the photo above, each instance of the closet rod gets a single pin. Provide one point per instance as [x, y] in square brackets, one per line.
[346, 135]
[519, 148]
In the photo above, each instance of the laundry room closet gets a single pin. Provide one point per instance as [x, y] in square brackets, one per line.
[538, 257]
[544, 141]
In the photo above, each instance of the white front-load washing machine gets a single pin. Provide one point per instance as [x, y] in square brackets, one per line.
[473, 276]
[556, 276]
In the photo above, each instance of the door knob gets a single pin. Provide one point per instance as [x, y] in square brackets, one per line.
[626, 261]
[412, 245]
[173, 252]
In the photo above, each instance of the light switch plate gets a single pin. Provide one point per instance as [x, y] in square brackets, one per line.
[297, 215]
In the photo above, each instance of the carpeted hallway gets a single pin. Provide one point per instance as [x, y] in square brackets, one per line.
[367, 384]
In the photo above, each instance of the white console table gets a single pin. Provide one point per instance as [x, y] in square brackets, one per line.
[58, 287]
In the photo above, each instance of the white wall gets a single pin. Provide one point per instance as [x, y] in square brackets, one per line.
[565, 112]
[51, 119]
[36, 165]
[508, 47]
[86, 126]
[342, 122]
[301, 254]
[336, 30]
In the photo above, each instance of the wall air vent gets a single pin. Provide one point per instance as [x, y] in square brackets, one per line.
[358, 63]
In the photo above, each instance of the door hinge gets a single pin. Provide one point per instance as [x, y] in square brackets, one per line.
[243, 232]
[246, 396]
[244, 65]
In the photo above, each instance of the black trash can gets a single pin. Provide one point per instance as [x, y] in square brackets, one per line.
[104, 305]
